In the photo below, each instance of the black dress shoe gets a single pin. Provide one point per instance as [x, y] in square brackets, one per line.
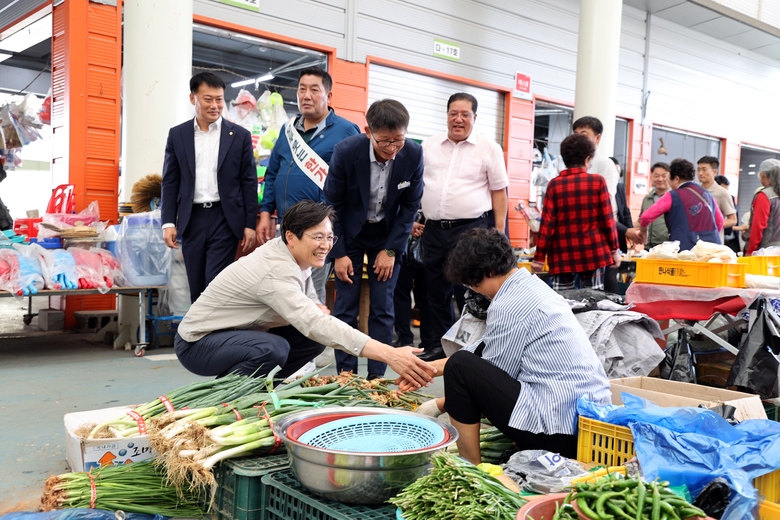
[371, 377]
[432, 354]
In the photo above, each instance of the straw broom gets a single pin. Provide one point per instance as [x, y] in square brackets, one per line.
[144, 191]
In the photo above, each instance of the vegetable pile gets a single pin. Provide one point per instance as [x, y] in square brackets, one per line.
[630, 499]
[492, 444]
[133, 488]
[455, 488]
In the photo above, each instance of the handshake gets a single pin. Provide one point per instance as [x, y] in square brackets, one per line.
[636, 236]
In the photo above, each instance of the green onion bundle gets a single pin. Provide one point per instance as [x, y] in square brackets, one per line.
[455, 488]
[134, 488]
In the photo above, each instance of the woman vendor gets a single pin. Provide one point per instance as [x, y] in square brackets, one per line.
[765, 209]
[530, 367]
[262, 311]
[690, 211]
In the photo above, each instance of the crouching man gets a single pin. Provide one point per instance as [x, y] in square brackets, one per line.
[262, 311]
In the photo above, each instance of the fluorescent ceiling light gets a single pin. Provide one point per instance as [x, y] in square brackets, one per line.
[31, 35]
[250, 81]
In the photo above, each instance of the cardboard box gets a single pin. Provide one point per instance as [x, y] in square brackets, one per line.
[673, 393]
[85, 454]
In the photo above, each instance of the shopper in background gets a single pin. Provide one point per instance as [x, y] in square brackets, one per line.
[657, 232]
[411, 279]
[262, 311]
[209, 186]
[690, 210]
[600, 163]
[288, 180]
[623, 223]
[765, 209]
[374, 186]
[729, 234]
[706, 170]
[578, 236]
[465, 178]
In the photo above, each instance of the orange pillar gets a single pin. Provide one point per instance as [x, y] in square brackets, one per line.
[519, 164]
[86, 70]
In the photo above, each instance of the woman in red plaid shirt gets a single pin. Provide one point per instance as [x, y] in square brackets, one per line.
[578, 236]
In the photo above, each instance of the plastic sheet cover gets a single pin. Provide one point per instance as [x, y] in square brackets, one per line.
[693, 446]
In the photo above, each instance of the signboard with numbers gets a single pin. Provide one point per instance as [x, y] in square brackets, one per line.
[446, 50]
[252, 5]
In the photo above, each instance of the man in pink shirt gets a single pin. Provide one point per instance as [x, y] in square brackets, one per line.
[690, 211]
[465, 178]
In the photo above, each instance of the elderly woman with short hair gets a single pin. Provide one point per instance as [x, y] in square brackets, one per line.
[765, 212]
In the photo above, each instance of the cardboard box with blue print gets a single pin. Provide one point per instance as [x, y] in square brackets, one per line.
[85, 454]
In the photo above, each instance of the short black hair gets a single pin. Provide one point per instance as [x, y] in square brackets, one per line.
[209, 78]
[712, 161]
[327, 81]
[387, 114]
[659, 164]
[614, 161]
[589, 122]
[575, 149]
[463, 96]
[682, 169]
[721, 180]
[304, 215]
[477, 254]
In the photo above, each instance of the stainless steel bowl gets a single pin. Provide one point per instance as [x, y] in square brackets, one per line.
[354, 477]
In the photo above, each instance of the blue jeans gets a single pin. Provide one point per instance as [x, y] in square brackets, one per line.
[247, 352]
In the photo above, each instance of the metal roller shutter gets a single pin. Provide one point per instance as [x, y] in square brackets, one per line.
[425, 97]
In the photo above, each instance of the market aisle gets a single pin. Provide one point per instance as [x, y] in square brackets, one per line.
[44, 377]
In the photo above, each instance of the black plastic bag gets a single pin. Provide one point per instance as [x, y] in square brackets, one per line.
[714, 498]
[678, 363]
[755, 369]
[476, 304]
[415, 251]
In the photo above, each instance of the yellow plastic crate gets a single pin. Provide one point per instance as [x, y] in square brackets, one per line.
[691, 274]
[761, 265]
[769, 511]
[611, 445]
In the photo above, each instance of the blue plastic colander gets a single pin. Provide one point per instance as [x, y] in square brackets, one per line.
[379, 433]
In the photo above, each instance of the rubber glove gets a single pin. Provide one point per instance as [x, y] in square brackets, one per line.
[65, 267]
[29, 271]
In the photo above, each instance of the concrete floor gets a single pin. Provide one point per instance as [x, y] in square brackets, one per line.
[43, 376]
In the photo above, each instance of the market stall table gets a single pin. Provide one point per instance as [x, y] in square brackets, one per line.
[680, 303]
[140, 291]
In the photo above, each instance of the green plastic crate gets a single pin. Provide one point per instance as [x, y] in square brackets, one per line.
[771, 411]
[287, 499]
[240, 492]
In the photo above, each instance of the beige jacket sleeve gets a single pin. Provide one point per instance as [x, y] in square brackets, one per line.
[282, 292]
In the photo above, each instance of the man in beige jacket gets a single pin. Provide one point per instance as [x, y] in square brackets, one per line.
[262, 311]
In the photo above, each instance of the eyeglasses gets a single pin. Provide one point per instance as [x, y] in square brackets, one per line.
[319, 238]
[386, 144]
[464, 115]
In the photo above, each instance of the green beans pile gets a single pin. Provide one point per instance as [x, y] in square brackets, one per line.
[630, 499]
[456, 489]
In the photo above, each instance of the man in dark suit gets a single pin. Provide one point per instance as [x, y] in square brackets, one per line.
[209, 186]
[375, 185]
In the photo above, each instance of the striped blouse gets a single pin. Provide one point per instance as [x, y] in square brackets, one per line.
[533, 336]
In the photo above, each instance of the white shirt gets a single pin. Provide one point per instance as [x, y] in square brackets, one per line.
[206, 158]
[603, 165]
[460, 176]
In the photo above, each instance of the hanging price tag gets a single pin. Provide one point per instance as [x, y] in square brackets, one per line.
[551, 461]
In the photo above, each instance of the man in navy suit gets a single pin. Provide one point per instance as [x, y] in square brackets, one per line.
[375, 185]
[210, 184]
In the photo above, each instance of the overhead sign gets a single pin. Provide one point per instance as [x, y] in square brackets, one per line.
[252, 5]
[446, 50]
[522, 86]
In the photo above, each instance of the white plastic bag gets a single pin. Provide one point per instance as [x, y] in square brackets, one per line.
[142, 251]
[664, 251]
[707, 251]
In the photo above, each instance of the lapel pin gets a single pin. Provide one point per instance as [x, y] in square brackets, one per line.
[231, 133]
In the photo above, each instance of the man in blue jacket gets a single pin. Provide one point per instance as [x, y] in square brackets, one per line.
[300, 158]
[375, 185]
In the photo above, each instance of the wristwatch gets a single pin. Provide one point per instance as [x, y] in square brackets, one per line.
[390, 252]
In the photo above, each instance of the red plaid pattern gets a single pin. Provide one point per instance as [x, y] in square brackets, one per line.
[578, 230]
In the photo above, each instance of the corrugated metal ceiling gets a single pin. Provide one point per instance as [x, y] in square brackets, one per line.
[709, 17]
